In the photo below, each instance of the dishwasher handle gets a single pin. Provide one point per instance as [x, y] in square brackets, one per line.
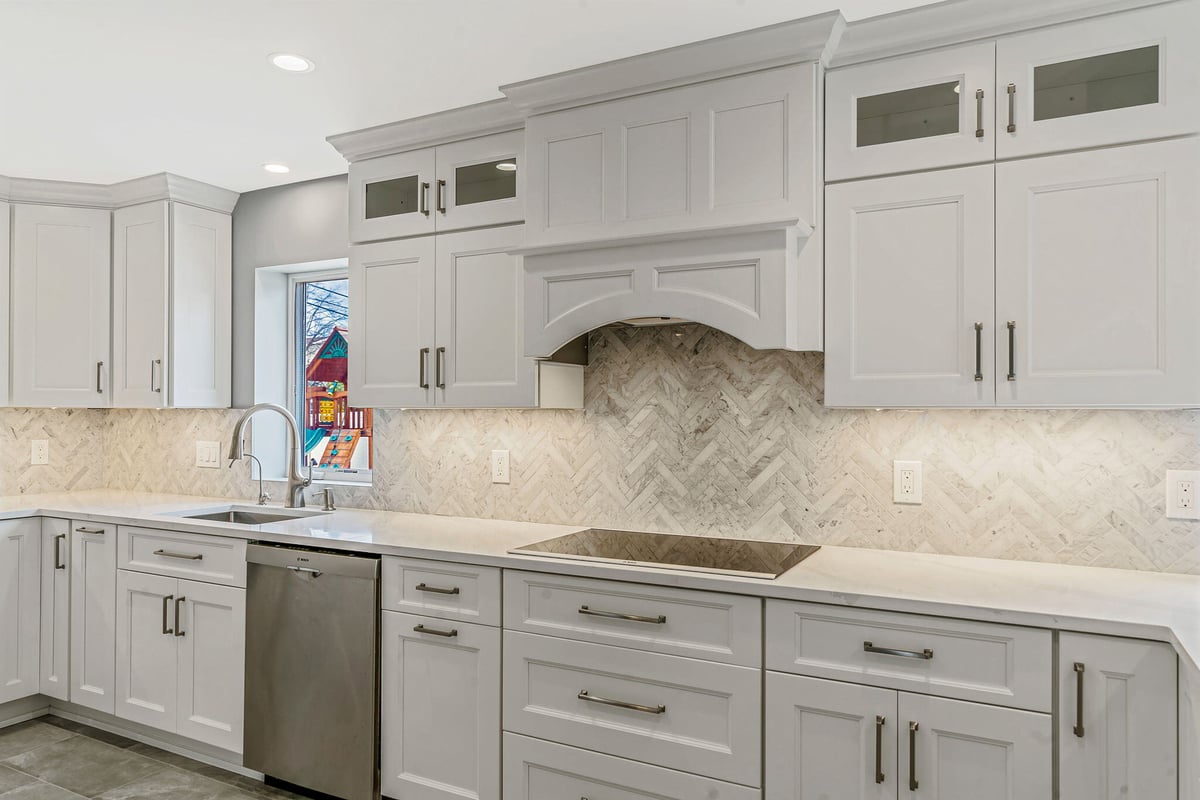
[316, 573]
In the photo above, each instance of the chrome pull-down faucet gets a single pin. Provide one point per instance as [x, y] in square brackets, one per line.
[296, 482]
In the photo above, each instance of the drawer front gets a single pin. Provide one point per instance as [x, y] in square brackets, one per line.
[212, 559]
[675, 712]
[1002, 665]
[707, 625]
[537, 770]
[441, 589]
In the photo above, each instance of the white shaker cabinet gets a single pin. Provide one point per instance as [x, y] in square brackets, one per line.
[60, 324]
[93, 614]
[148, 681]
[56, 608]
[20, 567]
[1116, 718]
[5, 307]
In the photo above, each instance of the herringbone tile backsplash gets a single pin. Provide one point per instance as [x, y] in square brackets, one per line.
[686, 429]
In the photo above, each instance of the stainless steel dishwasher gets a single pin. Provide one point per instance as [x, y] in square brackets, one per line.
[312, 669]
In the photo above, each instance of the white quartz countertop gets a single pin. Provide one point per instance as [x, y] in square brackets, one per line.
[1149, 605]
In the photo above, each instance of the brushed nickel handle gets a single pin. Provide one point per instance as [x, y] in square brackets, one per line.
[178, 627]
[659, 620]
[979, 113]
[58, 543]
[155, 368]
[183, 556]
[423, 361]
[912, 756]
[879, 721]
[316, 573]
[167, 631]
[925, 654]
[99, 377]
[441, 196]
[1078, 728]
[424, 203]
[93, 531]
[440, 366]
[604, 701]
[978, 351]
[1012, 108]
[1012, 350]
[424, 587]
[450, 634]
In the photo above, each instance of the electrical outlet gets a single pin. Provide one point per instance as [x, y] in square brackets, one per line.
[500, 466]
[906, 482]
[208, 455]
[1182, 488]
[39, 452]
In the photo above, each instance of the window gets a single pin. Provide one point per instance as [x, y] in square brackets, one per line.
[337, 437]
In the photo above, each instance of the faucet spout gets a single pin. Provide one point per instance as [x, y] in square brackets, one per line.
[296, 481]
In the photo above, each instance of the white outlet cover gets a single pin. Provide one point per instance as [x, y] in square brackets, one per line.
[500, 472]
[907, 482]
[39, 452]
[208, 455]
[1175, 480]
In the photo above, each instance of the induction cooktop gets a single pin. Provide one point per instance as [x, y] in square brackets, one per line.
[740, 557]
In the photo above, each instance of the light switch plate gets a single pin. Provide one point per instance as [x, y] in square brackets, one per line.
[907, 485]
[500, 466]
[208, 455]
[39, 452]
[1183, 486]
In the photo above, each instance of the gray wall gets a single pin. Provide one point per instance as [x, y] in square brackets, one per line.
[292, 224]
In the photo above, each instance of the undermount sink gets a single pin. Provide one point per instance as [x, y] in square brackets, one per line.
[248, 515]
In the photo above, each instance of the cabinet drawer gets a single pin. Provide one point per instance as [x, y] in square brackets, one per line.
[537, 770]
[212, 559]
[707, 625]
[998, 664]
[441, 589]
[675, 712]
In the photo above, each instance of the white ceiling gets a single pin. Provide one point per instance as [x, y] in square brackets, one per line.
[107, 90]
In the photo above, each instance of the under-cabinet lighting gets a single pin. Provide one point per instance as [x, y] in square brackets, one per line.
[277, 169]
[507, 166]
[290, 62]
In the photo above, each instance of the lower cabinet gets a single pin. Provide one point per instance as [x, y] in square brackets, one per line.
[93, 612]
[831, 739]
[441, 709]
[56, 609]
[180, 661]
[20, 563]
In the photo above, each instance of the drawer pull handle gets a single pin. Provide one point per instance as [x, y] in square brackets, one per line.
[879, 722]
[659, 620]
[1078, 728]
[183, 556]
[179, 601]
[93, 531]
[450, 634]
[604, 701]
[424, 587]
[925, 654]
[167, 629]
[59, 541]
[913, 727]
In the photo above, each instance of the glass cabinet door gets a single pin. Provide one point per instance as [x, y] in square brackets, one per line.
[480, 182]
[911, 113]
[392, 197]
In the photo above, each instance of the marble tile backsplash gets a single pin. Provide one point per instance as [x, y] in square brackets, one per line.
[687, 430]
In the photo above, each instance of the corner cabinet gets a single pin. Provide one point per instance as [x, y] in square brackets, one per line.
[93, 563]
[20, 566]
[56, 609]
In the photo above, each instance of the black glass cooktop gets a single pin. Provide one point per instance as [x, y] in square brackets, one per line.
[740, 557]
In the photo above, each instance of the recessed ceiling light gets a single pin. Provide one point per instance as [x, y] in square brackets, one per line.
[278, 169]
[290, 62]
[507, 166]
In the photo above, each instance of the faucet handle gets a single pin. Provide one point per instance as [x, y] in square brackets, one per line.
[264, 498]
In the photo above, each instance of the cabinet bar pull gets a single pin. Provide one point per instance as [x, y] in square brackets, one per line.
[184, 556]
[441, 196]
[879, 721]
[155, 365]
[1012, 108]
[1078, 729]
[425, 587]
[423, 361]
[604, 701]
[90, 530]
[58, 543]
[912, 756]
[178, 627]
[424, 207]
[659, 620]
[925, 654]
[979, 113]
[978, 351]
[99, 377]
[440, 366]
[450, 634]
[166, 604]
[1012, 350]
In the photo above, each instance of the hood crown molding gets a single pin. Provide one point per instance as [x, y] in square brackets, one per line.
[163, 186]
[810, 39]
[468, 122]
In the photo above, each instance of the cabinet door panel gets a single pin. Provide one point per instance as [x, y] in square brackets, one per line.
[1095, 266]
[480, 323]
[5, 308]
[140, 286]
[20, 568]
[56, 608]
[1124, 744]
[392, 306]
[93, 614]
[392, 196]
[1118, 78]
[60, 314]
[147, 650]
[827, 739]
[909, 274]
[480, 182]
[441, 709]
[968, 750]
[212, 663]
[197, 374]
[911, 113]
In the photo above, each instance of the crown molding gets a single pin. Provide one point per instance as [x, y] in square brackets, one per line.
[468, 122]
[163, 186]
[810, 39]
[960, 21]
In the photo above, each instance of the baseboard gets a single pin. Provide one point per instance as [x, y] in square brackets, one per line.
[23, 710]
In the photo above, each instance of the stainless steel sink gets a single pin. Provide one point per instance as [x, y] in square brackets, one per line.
[248, 515]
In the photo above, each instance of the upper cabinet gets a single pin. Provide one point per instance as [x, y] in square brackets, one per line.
[5, 280]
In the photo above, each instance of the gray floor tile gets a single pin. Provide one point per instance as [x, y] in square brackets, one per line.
[10, 779]
[115, 739]
[40, 791]
[175, 784]
[28, 736]
[84, 766]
